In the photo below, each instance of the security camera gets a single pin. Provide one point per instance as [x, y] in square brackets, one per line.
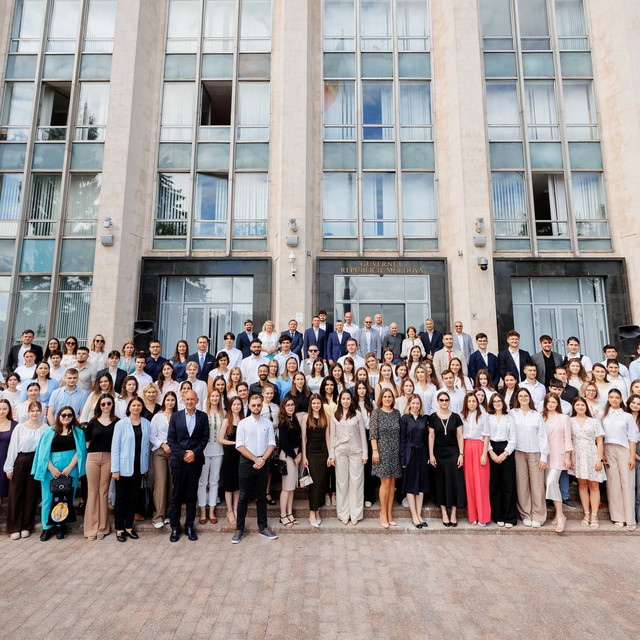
[483, 263]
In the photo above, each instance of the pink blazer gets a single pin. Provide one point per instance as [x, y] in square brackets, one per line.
[559, 435]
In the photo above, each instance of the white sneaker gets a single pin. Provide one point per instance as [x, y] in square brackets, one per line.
[367, 504]
[158, 525]
[327, 501]
[15, 536]
[508, 525]
[500, 524]
[526, 522]
[167, 521]
[25, 534]
[405, 502]
[535, 524]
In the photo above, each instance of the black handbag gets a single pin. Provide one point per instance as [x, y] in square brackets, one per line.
[279, 466]
[62, 510]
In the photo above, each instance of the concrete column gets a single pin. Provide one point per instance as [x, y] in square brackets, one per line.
[296, 31]
[462, 162]
[129, 166]
[616, 66]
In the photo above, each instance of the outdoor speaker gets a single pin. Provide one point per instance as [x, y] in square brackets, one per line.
[629, 336]
[144, 331]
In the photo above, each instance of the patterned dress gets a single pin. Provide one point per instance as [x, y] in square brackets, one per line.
[585, 450]
[385, 428]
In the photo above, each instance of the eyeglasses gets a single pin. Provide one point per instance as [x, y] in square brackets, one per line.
[106, 404]
[66, 415]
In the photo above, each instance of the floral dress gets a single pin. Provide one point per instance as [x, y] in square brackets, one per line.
[585, 450]
[385, 428]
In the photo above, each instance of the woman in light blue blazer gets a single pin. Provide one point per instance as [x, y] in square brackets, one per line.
[62, 451]
[129, 460]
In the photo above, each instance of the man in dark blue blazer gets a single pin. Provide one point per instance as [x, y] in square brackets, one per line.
[296, 338]
[13, 359]
[315, 335]
[337, 343]
[506, 360]
[187, 437]
[431, 339]
[205, 360]
[483, 359]
[325, 325]
[243, 341]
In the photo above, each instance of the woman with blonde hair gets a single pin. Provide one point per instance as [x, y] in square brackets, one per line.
[235, 378]
[213, 455]
[269, 338]
[97, 353]
[128, 357]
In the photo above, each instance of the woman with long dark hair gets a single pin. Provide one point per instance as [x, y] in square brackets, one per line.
[290, 452]
[231, 457]
[179, 360]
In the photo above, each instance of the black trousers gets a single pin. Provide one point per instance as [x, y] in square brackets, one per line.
[371, 482]
[24, 493]
[502, 486]
[252, 481]
[127, 492]
[185, 478]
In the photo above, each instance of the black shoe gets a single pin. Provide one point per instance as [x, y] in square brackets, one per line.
[453, 524]
[190, 532]
[61, 534]
[569, 504]
[121, 536]
[423, 525]
[46, 535]
[132, 534]
[237, 537]
[81, 508]
[175, 534]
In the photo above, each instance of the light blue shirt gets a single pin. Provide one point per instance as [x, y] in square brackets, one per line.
[62, 398]
[191, 421]
[634, 369]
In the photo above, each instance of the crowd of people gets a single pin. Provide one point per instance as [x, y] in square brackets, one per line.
[356, 414]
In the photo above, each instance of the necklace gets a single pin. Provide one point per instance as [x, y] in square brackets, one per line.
[445, 423]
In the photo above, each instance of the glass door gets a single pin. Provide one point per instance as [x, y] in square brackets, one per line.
[219, 324]
[560, 322]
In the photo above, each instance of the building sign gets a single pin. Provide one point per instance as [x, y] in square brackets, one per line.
[383, 268]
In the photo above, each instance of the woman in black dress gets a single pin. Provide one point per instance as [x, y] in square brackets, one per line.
[414, 458]
[231, 458]
[446, 454]
[7, 425]
[315, 454]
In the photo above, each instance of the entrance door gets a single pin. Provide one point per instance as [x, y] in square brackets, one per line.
[208, 320]
[219, 324]
[560, 322]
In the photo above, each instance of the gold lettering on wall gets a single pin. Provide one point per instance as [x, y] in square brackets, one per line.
[383, 268]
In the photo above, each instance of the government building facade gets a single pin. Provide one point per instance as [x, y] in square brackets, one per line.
[194, 163]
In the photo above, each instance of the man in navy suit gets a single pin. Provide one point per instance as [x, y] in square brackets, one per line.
[484, 359]
[325, 325]
[337, 343]
[315, 335]
[187, 437]
[431, 339]
[513, 359]
[243, 341]
[296, 338]
[205, 360]
[15, 358]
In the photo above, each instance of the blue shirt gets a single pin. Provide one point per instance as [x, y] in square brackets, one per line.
[62, 398]
[191, 421]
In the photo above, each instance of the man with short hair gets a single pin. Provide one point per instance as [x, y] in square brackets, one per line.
[235, 355]
[462, 340]
[482, 358]
[569, 392]
[15, 358]
[27, 370]
[349, 326]
[296, 338]
[611, 353]
[443, 357]
[352, 352]
[138, 372]
[86, 375]
[242, 389]
[116, 374]
[546, 360]
[244, 339]
[573, 351]
[393, 340]
[155, 360]
[256, 441]
[368, 340]
[285, 352]
[263, 380]
[206, 361]
[67, 395]
[249, 366]
[314, 335]
[306, 366]
[513, 358]
[555, 386]
[456, 396]
[537, 390]
[187, 437]
[431, 339]
[380, 327]
[336, 343]
[56, 372]
[325, 325]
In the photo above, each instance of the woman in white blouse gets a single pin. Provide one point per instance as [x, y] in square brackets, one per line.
[591, 394]
[269, 338]
[532, 451]
[425, 389]
[213, 453]
[502, 444]
[601, 380]
[411, 341]
[167, 381]
[461, 381]
[315, 378]
[160, 456]
[21, 413]
[620, 441]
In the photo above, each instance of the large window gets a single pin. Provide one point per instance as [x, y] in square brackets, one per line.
[547, 178]
[378, 181]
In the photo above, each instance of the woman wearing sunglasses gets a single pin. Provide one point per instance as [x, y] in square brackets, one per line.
[62, 451]
[99, 435]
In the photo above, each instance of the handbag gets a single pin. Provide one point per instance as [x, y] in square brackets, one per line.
[62, 510]
[305, 478]
[281, 467]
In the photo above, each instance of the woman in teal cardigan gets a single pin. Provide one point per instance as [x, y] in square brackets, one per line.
[62, 451]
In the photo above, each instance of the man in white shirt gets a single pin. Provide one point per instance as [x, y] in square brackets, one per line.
[381, 328]
[456, 396]
[249, 366]
[352, 352]
[139, 373]
[255, 441]
[573, 351]
[235, 355]
[349, 326]
[27, 370]
[57, 370]
[199, 386]
[611, 353]
[537, 390]
[285, 352]
[369, 340]
[443, 357]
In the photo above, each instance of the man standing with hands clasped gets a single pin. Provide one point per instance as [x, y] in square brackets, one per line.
[255, 440]
[187, 437]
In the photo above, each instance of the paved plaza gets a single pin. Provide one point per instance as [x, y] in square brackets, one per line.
[328, 584]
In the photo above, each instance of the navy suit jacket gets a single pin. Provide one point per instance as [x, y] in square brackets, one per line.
[506, 363]
[296, 342]
[476, 362]
[180, 441]
[310, 338]
[210, 363]
[433, 345]
[335, 348]
[244, 344]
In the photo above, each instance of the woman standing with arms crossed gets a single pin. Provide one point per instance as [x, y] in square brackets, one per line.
[99, 435]
[414, 458]
[502, 466]
[231, 457]
[446, 454]
[476, 433]
[315, 455]
[129, 460]
[384, 433]
[290, 452]
[532, 451]
[348, 453]
[160, 457]
[62, 450]
[24, 490]
[620, 440]
[213, 454]
[560, 447]
[588, 456]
